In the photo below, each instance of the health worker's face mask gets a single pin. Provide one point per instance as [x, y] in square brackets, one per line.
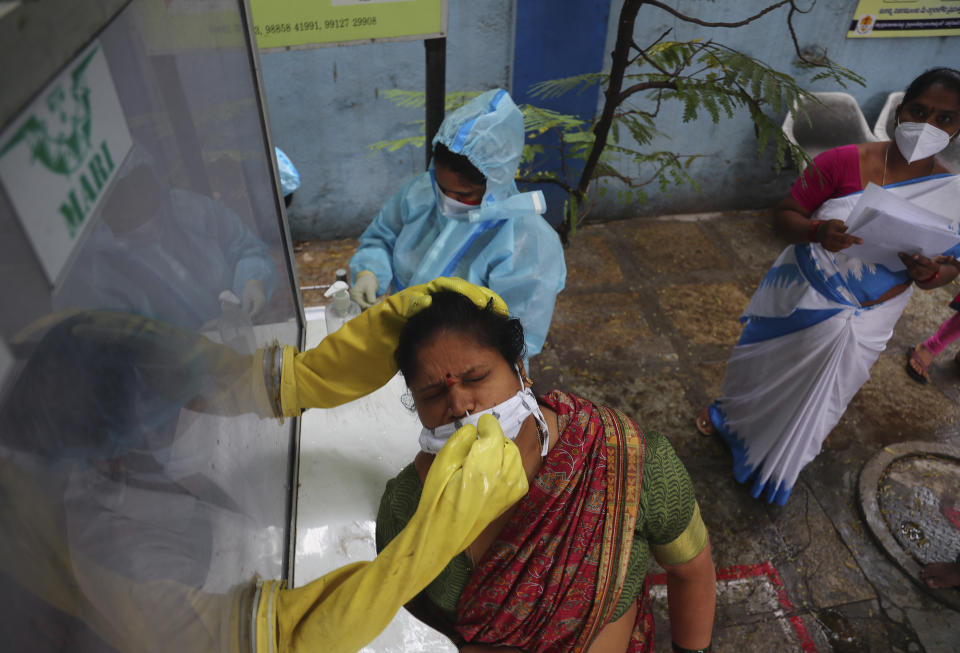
[511, 415]
[450, 207]
[918, 140]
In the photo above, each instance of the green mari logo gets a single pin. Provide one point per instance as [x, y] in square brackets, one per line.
[58, 135]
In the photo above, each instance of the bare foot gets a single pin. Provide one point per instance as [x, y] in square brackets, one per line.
[704, 423]
[941, 574]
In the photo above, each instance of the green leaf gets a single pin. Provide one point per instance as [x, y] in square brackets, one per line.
[710, 103]
[396, 144]
[772, 92]
[538, 120]
[406, 99]
[689, 107]
[579, 137]
[756, 80]
[556, 87]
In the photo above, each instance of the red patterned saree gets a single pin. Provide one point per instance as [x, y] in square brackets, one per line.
[554, 576]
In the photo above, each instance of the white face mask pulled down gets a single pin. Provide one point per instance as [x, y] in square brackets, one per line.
[918, 140]
[511, 415]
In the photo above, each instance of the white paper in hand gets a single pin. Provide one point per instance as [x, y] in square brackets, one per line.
[889, 224]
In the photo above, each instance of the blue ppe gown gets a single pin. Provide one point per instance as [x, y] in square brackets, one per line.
[503, 244]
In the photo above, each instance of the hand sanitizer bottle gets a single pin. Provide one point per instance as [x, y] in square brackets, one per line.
[342, 308]
[236, 330]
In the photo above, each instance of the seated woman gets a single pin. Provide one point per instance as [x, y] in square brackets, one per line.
[563, 568]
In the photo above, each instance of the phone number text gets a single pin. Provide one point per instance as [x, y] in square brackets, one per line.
[314, 25]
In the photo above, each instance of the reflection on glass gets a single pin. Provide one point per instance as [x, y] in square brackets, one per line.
[96, 525]
[170, 254]
[142, 490]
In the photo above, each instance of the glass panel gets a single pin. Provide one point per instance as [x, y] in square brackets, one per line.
[141, 491]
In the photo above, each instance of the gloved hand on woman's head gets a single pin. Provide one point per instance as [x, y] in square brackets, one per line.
[358, 358]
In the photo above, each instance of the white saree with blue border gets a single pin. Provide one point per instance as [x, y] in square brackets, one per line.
[808, 344]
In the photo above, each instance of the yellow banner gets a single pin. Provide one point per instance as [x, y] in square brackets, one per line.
[897, 18]
[305, 23]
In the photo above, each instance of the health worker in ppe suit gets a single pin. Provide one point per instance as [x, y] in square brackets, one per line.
[477, 475]
[466, 218]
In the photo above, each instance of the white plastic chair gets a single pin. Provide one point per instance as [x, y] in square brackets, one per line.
[837, 121]
[886, 124]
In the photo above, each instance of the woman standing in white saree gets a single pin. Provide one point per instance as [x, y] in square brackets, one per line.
[821, 317]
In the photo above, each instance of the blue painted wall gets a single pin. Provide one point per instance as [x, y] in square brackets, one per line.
[325, 105]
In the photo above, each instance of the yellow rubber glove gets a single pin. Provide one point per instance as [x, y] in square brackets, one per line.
[473, 480]
[358, 358]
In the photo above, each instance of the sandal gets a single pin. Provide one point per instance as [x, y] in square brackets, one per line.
[920, 376]
[704, 423]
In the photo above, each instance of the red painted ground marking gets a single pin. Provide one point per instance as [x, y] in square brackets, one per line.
[767, 569]
[953, 514]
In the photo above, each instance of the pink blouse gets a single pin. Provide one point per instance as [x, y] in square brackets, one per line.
[840, 170]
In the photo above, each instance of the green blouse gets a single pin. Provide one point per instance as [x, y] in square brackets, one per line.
[668, 525]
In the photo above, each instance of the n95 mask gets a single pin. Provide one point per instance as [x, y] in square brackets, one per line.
[918, 140]
[510, 414]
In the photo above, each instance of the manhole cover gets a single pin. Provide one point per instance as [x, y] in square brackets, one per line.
[910, 494]
[919, 499]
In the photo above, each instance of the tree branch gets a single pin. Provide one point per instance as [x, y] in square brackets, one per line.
[545, 180]
[644, 86]
[621, 51]
[704, 23]
[658, 39]
[793, 36]
[674, 73]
